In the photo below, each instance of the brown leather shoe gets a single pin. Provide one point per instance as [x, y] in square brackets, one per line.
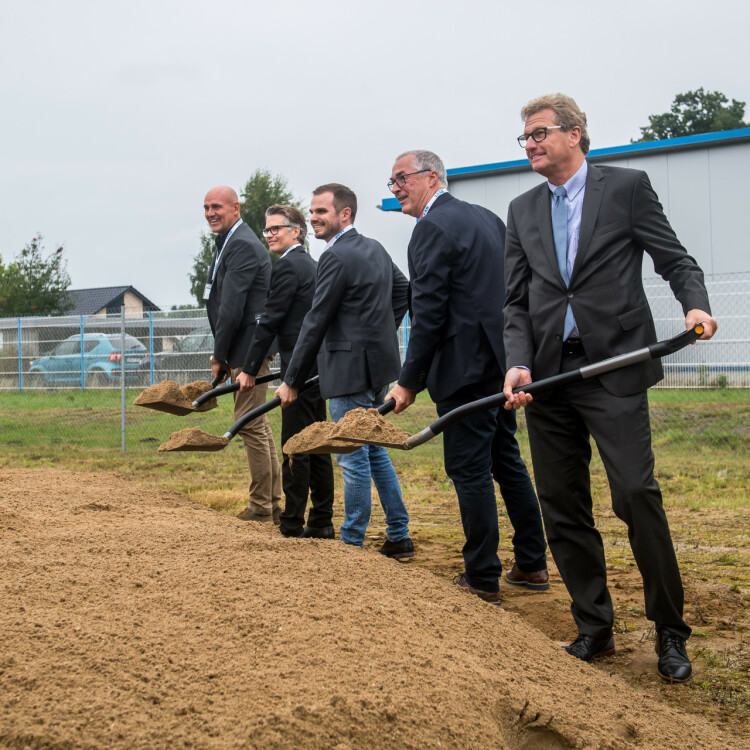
[537, 581]
[491, 597]
[249, 515]
[277, 517]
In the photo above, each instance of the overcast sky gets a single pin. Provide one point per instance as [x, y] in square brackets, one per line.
[116, 118]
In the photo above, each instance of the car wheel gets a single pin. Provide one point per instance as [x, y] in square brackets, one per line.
[97, 379]
[35, 380]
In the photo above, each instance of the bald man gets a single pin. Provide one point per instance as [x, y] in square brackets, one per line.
[235, 296]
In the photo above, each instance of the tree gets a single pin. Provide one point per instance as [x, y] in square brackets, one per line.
[261, 191]
[695, 112]
[201, 267]
[33, 284]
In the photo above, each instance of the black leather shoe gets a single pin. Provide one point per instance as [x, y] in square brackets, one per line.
[674, 664]
[403, 549]
[587, 647]
[326, 532]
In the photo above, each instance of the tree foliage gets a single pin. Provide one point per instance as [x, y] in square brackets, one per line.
[262, 190]
[34, 284]
[201, 266]
[695, 112]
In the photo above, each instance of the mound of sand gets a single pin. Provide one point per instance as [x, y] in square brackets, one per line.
[134, 618]
[365, 424]
[194, 439]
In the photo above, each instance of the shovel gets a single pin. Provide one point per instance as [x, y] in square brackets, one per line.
[655, 351]
[176, 402]
[194, 439]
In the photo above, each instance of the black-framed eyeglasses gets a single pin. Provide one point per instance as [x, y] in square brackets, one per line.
[400, 180]
[274, 230]
[537, 135]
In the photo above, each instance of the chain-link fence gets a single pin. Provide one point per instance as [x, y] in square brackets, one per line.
[58, 368]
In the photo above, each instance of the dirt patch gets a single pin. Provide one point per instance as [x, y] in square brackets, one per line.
[193, 439]
[365, 424]
[147, 620]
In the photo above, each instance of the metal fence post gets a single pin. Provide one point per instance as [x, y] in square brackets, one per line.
[83, 362]
[20, 359]
[151, 347]
[122, 378]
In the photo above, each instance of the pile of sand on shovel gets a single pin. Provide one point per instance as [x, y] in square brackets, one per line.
[168, 392]
[330, 437]
[193, 439]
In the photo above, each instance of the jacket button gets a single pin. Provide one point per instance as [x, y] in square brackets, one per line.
[570, 295]
[558, 337]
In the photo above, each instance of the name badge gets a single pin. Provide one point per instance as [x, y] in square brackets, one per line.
[207, 291]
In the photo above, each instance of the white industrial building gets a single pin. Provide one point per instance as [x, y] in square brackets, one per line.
[701, 181]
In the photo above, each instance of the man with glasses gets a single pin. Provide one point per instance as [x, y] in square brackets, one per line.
[359, 301]
[456, 352]
[235, 296]
[573, 261]
[289, 300]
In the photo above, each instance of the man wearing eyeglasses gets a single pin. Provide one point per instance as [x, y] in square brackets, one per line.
[235, 296]
[360, 299]
[456, 352]
[574, 254]
[289, 300]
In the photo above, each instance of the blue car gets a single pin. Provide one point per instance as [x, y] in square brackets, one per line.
[99, 364]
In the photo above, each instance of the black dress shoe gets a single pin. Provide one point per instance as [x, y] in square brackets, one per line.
[326, 532]
[674, 664]
[588, 647]
[400, 550]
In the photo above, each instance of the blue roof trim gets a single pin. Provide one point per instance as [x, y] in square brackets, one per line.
[391, 204]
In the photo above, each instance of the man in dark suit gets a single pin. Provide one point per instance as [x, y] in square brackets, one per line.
[359, 301]
[573, 261]
[456, 351]
[235, 295]
[289, 300]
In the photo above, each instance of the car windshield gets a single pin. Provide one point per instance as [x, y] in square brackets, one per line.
[130, 342]
[194, 342]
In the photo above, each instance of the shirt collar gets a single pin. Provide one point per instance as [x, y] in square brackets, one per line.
[575, 184]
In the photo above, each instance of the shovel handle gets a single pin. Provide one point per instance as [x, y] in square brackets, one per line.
[387, 407]
[263, 408]
[231, 388]
[654, 351]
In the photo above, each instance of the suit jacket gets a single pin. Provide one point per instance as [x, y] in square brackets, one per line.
[238, 295]
[289, 300]
[456, 276]
[621, 219]
[359, 301]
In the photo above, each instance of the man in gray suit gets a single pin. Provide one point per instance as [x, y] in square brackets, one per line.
[235, 296]
[574, 295]
[360, 298]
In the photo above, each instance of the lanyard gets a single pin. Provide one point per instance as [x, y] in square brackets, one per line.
[430, 202]
[345, 229]
[289, 249]
[221, 252]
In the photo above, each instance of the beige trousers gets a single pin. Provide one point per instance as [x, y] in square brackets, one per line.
[260, 449]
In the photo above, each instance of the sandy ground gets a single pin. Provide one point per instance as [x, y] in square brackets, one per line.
[132, 618]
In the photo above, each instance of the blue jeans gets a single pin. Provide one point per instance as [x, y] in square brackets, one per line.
[362, 467]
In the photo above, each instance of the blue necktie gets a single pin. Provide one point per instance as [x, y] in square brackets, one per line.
[560, 235]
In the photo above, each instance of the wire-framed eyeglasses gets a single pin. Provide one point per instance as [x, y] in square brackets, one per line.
[400, 179]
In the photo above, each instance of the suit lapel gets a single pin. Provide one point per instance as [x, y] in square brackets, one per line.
[592, 201]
